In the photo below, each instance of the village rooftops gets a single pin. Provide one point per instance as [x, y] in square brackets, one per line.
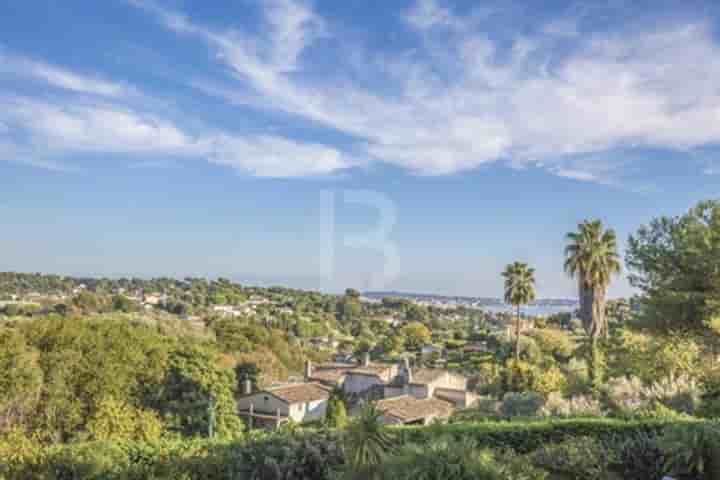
[408, 409]
[375, 369]
[422, 376]
[329, 375]
[299, 392]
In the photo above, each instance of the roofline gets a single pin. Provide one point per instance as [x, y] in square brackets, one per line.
[269, 392]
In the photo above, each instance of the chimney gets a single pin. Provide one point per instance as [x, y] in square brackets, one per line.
[366, 359]
[247, 387]
[408, 371]
[308, 370]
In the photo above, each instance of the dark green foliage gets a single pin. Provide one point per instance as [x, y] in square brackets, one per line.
[576, 459]
[640, 457]
[272, 457]
[693, 451]
[61, 369]
[447, 458]
[528, 436]
[436, 452]
[336, 414]
[367, 444]
[675, 262]
[195, 387]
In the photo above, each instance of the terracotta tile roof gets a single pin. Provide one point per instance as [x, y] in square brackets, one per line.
[300, 392]
[427, 375]
[335, 365]
[409, 409]
[372, 369]
[332, 375]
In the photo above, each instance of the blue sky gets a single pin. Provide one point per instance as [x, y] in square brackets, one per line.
[266, 139]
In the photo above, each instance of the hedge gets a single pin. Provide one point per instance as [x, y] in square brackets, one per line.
[312, 455]
[309, 454]
[527, 436]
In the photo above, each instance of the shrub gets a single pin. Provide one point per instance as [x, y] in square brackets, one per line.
[485, 409]
[578, 406]
[554, 342]
[681, 393]
[116, 420]
[518, 376]
[709, 408]
[692, 450]
[527, 436]
[658, 410]
[490, 379]
[710, 381]
[21, 454]
[521, 404]
[640, 457]
[578, 377]
[336, 415]
[548, 381]
[624, 395]
[446, 458]
[577, 459]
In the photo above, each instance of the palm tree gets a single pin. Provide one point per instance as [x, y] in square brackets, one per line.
[519, 290]
[367, 442]
[591, 256]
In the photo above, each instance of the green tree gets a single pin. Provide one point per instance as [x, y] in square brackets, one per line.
[196, 385]
[519, 290]
[416, 335]
[675, 263]
[336, 414]
[591, 257]
[122, 303]
[116, 420]
[21, 379]
[393, 344]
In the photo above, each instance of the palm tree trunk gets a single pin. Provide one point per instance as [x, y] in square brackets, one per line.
[586, 313]
[517, 335]
[599, 317]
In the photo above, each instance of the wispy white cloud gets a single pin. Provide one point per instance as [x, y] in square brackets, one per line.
[462, 100]
[54, 131]
[60, 77]
[272, 156]
[428, 13]
[92, 127]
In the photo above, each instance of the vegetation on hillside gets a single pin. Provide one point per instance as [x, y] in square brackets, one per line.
[132, 378]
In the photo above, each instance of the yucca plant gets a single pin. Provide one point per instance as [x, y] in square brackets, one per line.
[367, 443]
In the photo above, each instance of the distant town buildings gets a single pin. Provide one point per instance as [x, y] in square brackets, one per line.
[404, 395]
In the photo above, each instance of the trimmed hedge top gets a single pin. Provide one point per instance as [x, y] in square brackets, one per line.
[526, 436]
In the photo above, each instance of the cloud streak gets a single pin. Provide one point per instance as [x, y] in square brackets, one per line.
[53, 130]
[464, 99]
[60, 77]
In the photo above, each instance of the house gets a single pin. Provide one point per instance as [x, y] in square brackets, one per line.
[408, 410]
[368, 378]
[226, 310]
[153, 299]
[424, 383]
[271, 407]
[329, 374]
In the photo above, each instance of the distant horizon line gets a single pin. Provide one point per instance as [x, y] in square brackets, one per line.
[266, 281]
